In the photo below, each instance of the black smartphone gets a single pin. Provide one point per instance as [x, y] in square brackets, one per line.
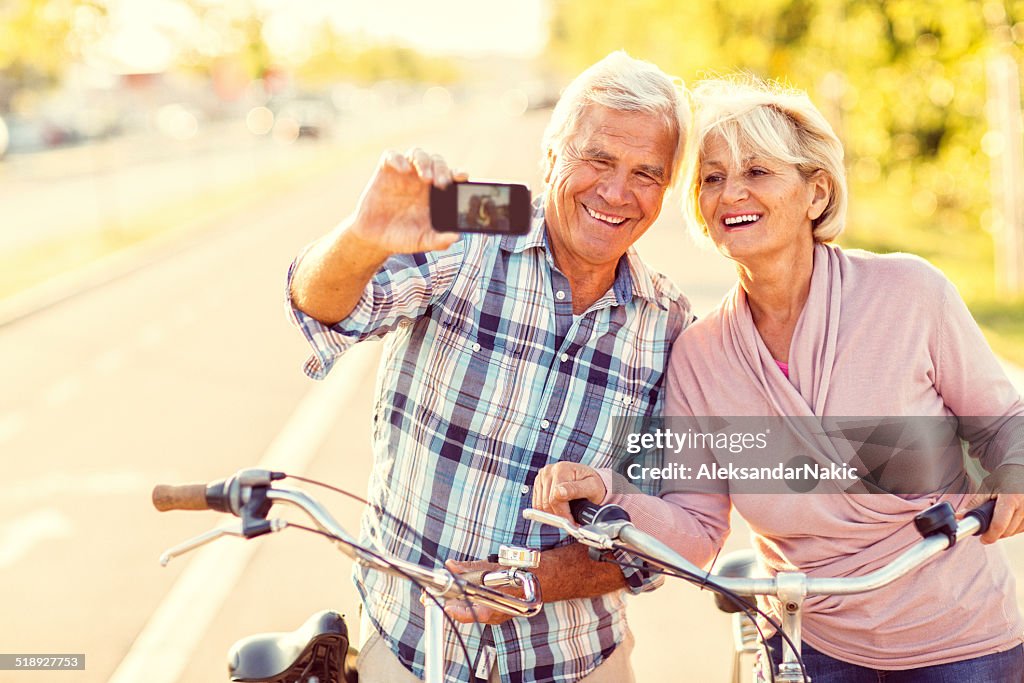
[478, 206]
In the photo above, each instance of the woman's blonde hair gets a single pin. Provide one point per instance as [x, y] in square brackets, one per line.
[768, 120]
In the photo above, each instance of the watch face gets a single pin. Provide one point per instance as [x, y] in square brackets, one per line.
[509, 556]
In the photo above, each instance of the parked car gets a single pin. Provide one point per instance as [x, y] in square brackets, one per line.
[304, 118]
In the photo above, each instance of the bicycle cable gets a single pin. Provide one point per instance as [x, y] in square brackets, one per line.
[660, 567]
[668, 570]
[328, 487]
[336, 489]
[416, 582]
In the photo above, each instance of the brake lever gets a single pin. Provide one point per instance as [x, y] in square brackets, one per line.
[232, 529]
[587, 535]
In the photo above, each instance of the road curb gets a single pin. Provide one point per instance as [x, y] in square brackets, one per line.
[102, 271]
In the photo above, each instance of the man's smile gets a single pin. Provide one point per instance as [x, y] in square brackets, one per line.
[605, 218]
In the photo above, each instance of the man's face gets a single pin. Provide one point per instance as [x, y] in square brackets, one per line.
[605, 187]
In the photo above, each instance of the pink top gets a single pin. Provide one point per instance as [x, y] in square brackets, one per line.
[867, 317]
[784, 367]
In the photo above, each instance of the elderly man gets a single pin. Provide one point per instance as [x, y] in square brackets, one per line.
[505, 354]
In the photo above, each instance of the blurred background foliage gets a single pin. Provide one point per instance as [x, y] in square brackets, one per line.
[41, 40]
[902, 81]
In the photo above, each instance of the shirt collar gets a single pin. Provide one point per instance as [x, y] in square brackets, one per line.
[537, 236]
[641, 279]
[632, 276]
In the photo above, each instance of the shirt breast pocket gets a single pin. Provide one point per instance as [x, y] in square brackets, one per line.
[473, 378]
[501, 376]
[636, 396]
[638, 380]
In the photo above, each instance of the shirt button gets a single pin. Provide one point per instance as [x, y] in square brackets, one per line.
[476, 348]
[560, 295]
[405, 323]
[565, 357]
[627, 400]
[544, 424]
[524, 489]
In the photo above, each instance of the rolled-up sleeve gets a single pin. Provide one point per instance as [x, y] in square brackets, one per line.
[639, 576]
[403, 289]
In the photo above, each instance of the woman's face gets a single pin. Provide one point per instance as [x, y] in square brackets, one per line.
[759, 207]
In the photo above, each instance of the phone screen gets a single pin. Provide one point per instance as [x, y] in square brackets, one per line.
[494, 208]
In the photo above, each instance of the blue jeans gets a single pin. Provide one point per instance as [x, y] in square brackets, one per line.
[1002, 667]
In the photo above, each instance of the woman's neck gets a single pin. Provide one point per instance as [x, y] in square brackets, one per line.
[777, 289]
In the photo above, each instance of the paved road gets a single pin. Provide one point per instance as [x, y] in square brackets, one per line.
[186, 371]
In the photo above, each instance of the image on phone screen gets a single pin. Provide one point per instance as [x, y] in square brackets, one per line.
[484, 208]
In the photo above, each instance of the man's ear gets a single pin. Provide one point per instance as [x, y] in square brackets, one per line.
[549, 165]
[821, 188]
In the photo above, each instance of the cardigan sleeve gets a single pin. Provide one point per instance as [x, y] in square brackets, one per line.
[974, 386]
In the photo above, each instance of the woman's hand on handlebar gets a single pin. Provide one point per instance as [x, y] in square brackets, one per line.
[557, 484]
[1006, 485]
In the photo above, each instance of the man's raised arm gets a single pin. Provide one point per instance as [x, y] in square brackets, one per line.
[393, 217]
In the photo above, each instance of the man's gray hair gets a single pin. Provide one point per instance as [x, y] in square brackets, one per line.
[622, 83]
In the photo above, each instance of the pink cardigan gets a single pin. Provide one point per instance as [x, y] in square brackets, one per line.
[879, 335]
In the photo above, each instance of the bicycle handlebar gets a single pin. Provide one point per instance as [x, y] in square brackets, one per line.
[249, 494]
[585, 512]
[608, 527]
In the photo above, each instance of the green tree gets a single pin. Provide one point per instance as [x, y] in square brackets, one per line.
[337, 57]
[903, 82]
[40, 38]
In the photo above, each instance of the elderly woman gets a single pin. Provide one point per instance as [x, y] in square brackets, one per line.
[812, 330]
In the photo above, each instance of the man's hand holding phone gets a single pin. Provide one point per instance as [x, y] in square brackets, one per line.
[393, 215]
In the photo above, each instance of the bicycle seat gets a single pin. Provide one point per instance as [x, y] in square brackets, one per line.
[739, 564]
[318, 647]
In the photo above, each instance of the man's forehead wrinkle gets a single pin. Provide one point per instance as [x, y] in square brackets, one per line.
[599, 152]
[617, 133]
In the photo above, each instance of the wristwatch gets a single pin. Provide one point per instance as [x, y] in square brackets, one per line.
[520, 558]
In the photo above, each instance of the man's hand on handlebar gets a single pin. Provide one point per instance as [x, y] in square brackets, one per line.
[460, 611]
[1006, 485]
[557, 484]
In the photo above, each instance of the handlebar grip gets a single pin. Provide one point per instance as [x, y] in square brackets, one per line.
[476, 576]
[983, 513]
[585, 512]
[184, 497]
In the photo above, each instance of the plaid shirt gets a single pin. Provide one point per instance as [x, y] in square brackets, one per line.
[487, 376]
